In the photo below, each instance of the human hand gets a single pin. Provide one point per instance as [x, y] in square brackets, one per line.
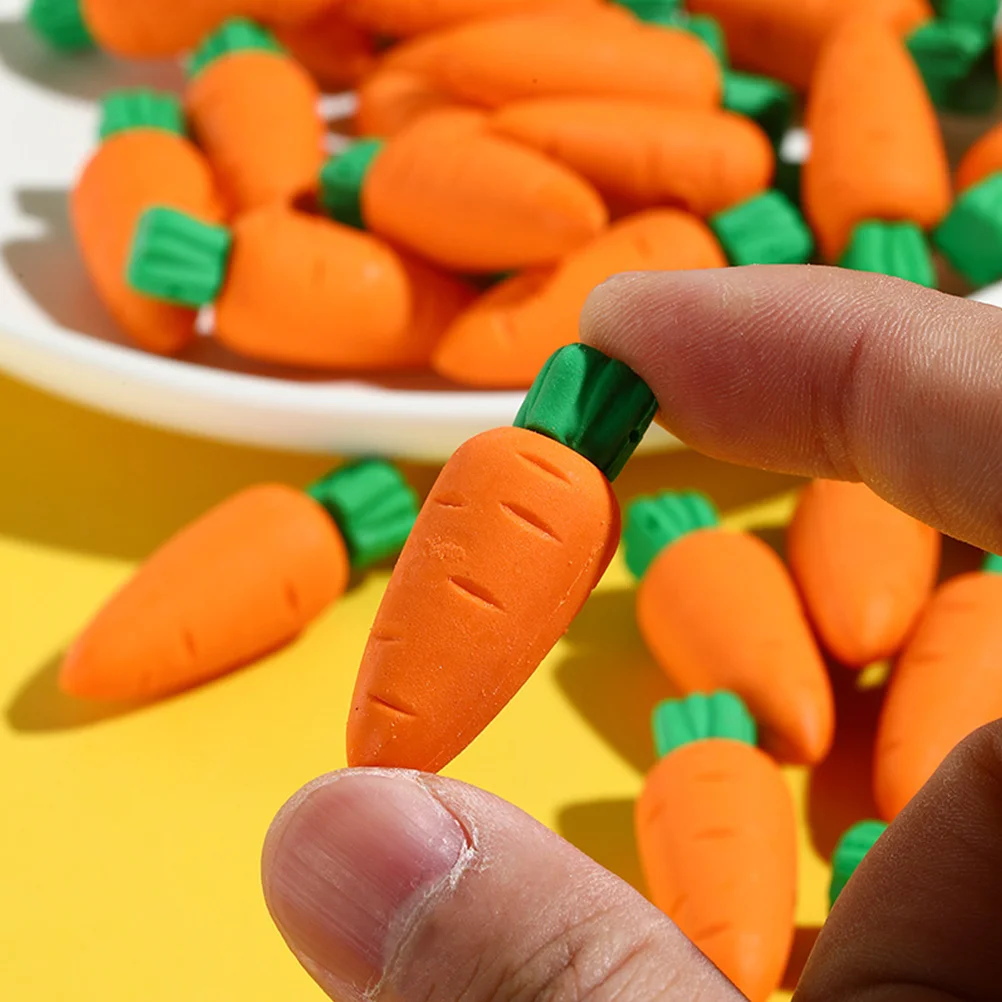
[393, 886]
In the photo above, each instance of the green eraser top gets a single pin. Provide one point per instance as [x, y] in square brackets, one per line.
[898, 249]
[766, 229]
[849, 853]
[970, 237]
[125, 110]
[979, 12]
[342, 179]
[701, 717]
[373, 506]
[178, 258]
[651, 10]
[946, 52]
[764, 100]
[236, 35]
[61, 24]
[653, 523]
[992, 564]
[591, 403]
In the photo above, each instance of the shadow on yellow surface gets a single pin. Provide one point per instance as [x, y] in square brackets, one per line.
[611, 680]
[87, 482]
[83, 481]
[603, 830]
[840, 791]
[40, 705]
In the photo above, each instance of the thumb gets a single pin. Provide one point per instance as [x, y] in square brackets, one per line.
[919, 920]
[395, 885]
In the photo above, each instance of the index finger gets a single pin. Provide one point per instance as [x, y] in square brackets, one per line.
[824, 372]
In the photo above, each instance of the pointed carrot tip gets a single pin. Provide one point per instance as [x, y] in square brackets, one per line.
[810, 747]
[75, 676]
[84, 675]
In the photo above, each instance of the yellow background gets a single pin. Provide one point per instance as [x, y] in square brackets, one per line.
[129, 842]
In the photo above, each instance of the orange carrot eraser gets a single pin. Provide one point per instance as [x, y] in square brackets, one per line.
[877, 151]
[493, 63]
[645, 153]
[452, 191]
[504, 338]
[254, 111]
[694, 576]
[287, 287]
[866, 570]
[944, 686]
[144, 160]
[243, 580]
[516, 533]
[717, 837]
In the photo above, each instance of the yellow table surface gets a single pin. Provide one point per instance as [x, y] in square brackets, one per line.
[129, 843]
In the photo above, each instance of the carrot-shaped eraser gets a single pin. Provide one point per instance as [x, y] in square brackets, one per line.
[765, 101]
[516, 533]
[719, 610]
[255, 112]
[495, 62]
[783, 39]
[877, 151]
[504, 338]
[716, 832]
[945, 685]
[765, 229]
[851, 850]
[298, 289]
[897, 249]
[643, 154]
[971, 235]
[865, 569]
[240, 582]
[451, 190]
[144, 159]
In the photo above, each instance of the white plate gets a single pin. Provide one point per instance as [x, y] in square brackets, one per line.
[55, 334]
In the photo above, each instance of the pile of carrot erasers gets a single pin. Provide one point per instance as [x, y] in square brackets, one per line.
[757, 647]
[506, 156]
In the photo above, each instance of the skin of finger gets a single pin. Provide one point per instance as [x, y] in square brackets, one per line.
[919, 922]
[824, 372]
[527, 916]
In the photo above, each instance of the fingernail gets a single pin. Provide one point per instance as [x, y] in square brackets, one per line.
[348, 861]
